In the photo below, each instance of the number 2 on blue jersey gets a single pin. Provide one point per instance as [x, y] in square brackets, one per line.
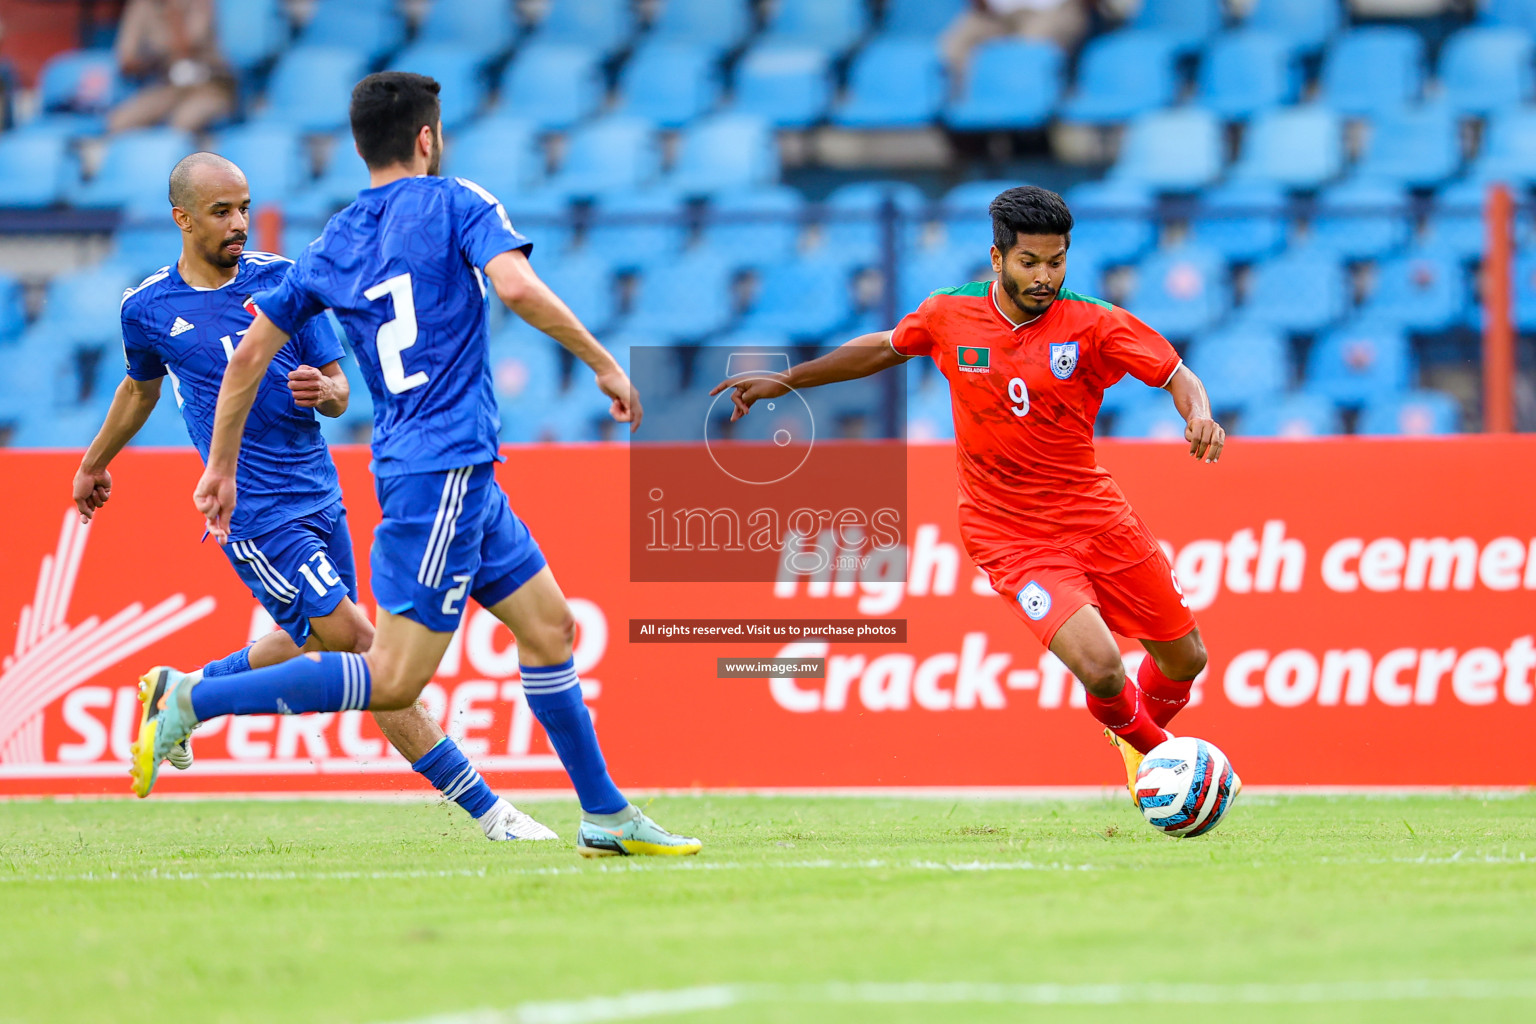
[397, 335]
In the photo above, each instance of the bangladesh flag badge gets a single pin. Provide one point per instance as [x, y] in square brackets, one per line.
[973, 360]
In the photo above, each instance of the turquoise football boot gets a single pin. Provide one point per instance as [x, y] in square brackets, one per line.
[637, 837]
[165, 721]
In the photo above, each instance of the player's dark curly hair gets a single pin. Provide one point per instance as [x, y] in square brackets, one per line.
[1028, 210]
[388, 110]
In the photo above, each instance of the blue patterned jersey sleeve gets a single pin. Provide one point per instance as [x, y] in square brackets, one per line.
[144, 363]
[291, 304]
[485, 231]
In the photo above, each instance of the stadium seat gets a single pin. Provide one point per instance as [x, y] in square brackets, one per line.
[372, 28]
[1359, 362]
[670, 83]
[1373, 70]
[584, 280]
[920, 19]
[1180, 291]
[1113, 217]
[1509, 149]
[463, 91]
[1414, 414]
[638, 227]
[251, 32]
[1245, 72]
[1121, 74]
[930, 416]
[554, 85]
[605, 25]
[1417, 146]
[763, 223]
[1455, 223]
[1302, 290]
[1242, 220]
[1483, 70]
[1178, 150]
[833, 24]
[1305, 24]
[1298, 147]
[133, 172]
[1295, 416]
[1011, 83]
[613, 153]
[32, 170]
[481, 29]
[923, 272]
[273, 157]
[542, 216]
[311, 87]
[725, 151]
[1187, 22]
[1525, 291]
[1125, 394]
[853, 229]
[13, 312]
[525, 375]
[1422, 291]
[801, 298]
[342, 178]
[684, 299]
[1241, 366]
[1514, 13]
[1153, 418]
[964, 213]
[73, 427]
[165, 428]
[893, 83]
[143, 247]
[80, 307]
[79, 81]
[499, 153]
[718, 24]
[1362, 218]
[786, 84]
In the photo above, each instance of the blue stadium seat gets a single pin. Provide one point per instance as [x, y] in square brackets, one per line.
[834, 24]
[920, 19]
[1176, 150]
[81, 306]
[1180, 291]
[32, 169]
[684, 299]
[1187, 22]
[370, 27]
[613, 153]
[311, 87]
[1294, 416]
[1359, 362]
[774, 234]
[13, 312]
[481, 29]
[1241, 366]
[145, 246]
[802, 298]
[273, 157]
[725, 151]
[1418, 146]
[463, 91]
[1509, 149]
[1515, 13]
[964, 213]
[604, 24]
[250, 31]
[585, 281]
[1421, 290]
[342, 178]
[1302, 290]
[1455, 222]
[1298, 147]
[579, 414]
[1373, 70]
[1483, 70]
[79, 81]
[669, 82]
[930, 416]
[1245, 72]
[1085, 270]
[544, 217]
[1120, 75]
[1127, 393]
[924, 271]
[1012, 83]
[134, 171]
[1414, 414]
[853, 230]
[1362, 218]
[525, 375]
[718, 24]
[499, 153]
[1305, 24]
[1242, 220]
[1153, 418]
[1113, 217]
[72, 427]
[893, 83]
[165, 428]
[355, 426]
[554, 85]
[787, 84]
[1525, 291]
[638, 227]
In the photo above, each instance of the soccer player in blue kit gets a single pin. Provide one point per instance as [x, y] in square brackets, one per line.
[289, 541]
[405, 269]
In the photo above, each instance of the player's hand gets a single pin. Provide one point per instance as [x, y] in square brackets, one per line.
[615, 383]
[310, 387]
[91, 492]
[749, 391]
[215, 499]
[1205, 437]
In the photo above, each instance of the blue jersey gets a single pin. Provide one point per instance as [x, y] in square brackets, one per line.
[169, 327]
[402, 268]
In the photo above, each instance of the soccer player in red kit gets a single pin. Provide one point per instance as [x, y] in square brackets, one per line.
[1027, 363]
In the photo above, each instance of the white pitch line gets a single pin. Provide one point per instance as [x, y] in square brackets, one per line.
[640, 1005]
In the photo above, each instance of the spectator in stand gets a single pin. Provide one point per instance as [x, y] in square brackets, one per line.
[1063, 22]
[172, 46]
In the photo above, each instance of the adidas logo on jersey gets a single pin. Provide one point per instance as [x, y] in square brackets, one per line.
[180, 327]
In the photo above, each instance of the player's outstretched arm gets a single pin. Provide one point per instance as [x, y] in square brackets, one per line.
[130, 409]
[324, 389]
[529, 297]
[215, 494]
[1205, 436]
[864, 355]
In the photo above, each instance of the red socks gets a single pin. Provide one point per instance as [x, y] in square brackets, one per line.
[1164, 697]
[1126, 716]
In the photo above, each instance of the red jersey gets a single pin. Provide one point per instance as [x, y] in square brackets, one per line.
[1024, 399]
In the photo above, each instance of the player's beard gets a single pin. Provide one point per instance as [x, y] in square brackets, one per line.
[435, 160]
[1034, 305]
[221, 257]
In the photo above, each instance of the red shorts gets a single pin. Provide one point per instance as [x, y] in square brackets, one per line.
[1122, 572]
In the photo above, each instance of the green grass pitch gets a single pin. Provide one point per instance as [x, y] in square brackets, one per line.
[799, 909]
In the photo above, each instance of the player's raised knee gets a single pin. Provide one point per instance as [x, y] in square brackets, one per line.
[548, 641]
[1104, 678]
[1187, 660]
[394, 685]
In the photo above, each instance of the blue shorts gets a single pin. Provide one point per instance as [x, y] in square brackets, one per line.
[445, 536]
[300, 571]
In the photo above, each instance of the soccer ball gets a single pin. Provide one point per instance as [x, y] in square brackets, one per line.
[1185, 787]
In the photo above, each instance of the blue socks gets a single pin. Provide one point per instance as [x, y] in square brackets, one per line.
[240, 661]
[554, 697]
[331, 682]
[446, 767]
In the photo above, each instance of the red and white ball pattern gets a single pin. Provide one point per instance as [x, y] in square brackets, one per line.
[1185, 787]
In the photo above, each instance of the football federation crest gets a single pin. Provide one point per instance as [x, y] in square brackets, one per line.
[1064, 360]
[969, 359]
[1035, 600]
